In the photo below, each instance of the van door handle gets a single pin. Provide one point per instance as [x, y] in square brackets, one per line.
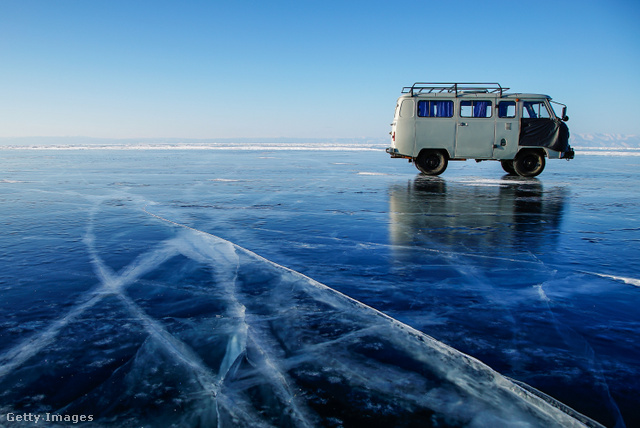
[463, 124]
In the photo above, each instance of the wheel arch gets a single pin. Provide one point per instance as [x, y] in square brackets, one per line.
[445, 152]
[525, 150]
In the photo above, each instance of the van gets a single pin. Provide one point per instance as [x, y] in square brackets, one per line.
[435, 123]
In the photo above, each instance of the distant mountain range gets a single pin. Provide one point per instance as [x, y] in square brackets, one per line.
[619, 141]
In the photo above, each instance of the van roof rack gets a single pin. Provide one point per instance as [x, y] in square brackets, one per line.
[429, 88]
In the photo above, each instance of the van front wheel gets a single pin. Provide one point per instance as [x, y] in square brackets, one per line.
[529, 163]
[431, 162]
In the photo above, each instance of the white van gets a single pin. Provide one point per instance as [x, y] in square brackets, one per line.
[438, 122]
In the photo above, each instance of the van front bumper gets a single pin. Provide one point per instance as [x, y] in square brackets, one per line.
[569, 154]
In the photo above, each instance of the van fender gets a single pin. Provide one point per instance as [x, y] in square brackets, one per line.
[538, 150]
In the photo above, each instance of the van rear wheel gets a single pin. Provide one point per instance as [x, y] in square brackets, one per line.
[507, 165]
[431, 162]
[529, 163]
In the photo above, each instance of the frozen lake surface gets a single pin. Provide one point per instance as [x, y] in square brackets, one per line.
[303, 288]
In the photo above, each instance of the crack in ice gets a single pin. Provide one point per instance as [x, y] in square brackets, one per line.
[226, 271]
[630, 281]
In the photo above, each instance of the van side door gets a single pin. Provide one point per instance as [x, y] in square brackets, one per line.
[475, 135]
[507, 129]
[435, 124]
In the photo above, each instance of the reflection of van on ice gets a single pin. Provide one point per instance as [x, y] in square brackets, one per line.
[438, 122]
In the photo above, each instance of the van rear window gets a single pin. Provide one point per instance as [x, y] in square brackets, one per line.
[435, 108]
[475, 108]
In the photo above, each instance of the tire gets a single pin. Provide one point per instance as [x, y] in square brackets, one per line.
[431, 162]
[507, 165]
[529, 163]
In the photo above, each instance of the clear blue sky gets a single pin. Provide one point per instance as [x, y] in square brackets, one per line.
[308, 69]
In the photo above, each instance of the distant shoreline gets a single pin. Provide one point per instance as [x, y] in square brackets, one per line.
[580, 151]
[581, 142]
[220, 147]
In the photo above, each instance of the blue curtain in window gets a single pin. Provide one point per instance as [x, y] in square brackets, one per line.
[435, 108]
[480, 108]
[422, 108]
[444, 108]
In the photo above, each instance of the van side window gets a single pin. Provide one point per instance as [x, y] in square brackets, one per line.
[507, 109]
[435, 108]
[475, 108]
[535, 110]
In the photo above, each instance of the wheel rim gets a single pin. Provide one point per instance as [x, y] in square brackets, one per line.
[432, 162]
[530, 163]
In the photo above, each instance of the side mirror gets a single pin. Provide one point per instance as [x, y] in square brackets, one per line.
[564, 114]
[565, 118]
